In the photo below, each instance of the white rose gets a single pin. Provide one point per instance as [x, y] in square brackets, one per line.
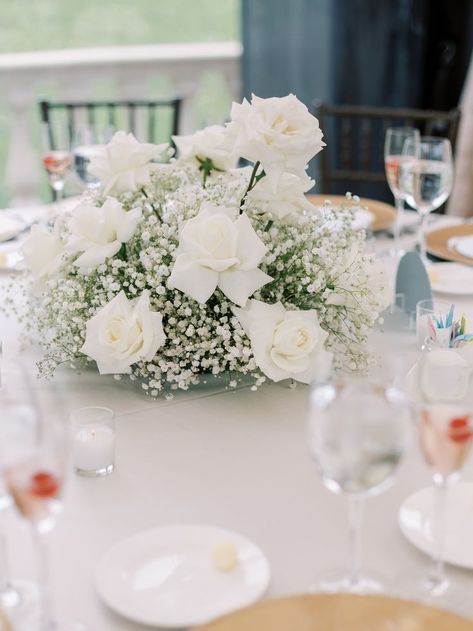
[287, 198]
[123, 333]
[124, 164]
[99, 232]
[285, 344]
[217, 249]
[206, 143]
[280, 133]
[42, 250]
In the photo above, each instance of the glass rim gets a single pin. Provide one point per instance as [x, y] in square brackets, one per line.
[402, 129]
[108, 414]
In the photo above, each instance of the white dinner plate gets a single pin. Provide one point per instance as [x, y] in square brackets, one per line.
[166, 577]
[451, 278]
[415, 521]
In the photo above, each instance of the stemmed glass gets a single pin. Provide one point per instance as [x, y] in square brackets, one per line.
[57, 160]
[33, 441]
[393, 156]
[357, 433]
[426, 178]
[87, 141]
[446, 438]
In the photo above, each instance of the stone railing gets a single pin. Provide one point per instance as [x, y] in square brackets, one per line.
[205, 75]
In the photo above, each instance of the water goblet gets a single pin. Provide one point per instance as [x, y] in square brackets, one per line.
[393, 156]
[445, 431]
[33, 449]
[357, 432]
[57, 158]
[426, 178]
[88, 141]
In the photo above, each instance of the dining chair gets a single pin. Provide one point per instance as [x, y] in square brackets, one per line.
[150, 121]
[353, 159]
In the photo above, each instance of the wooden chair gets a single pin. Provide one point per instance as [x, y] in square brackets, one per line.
[353, 159]
[142, 118]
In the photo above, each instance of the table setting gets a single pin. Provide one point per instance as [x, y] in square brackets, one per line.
[230, 404]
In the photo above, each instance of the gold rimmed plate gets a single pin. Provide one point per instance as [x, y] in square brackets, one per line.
[437, 242]
[383, 214]
[337, 612]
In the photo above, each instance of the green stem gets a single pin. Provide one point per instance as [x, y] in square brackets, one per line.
[253, 180]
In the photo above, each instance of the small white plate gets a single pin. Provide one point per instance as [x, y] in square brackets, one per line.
[165, 577]
[451, 278]
[415, 521]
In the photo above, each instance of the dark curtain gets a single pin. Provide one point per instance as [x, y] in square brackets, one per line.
[398, 53]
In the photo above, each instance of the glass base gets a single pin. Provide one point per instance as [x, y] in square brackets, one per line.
[95, 473]
[338, 581]
[445, 594]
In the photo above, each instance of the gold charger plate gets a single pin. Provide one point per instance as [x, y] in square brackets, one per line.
[384, 214]
[436, 242]
[339, 612]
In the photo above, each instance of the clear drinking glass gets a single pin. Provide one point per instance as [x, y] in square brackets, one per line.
[87, 141]
[33, 449]
[425, 310]
[445, 431]
[393, 156]
[57, 159]
[426, 178]
[357, 433]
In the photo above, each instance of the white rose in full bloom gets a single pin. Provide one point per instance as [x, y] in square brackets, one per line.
[99, 232]
[287, 198]
[124, 164]
[42, 250]
[206, 143]
[123, 333]
[285, 344]
[280, 133]
[219, 248]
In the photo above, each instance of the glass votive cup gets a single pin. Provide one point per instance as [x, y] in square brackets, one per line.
[93, 441]
[425, 309]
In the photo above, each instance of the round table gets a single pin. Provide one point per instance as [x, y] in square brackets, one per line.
[234, 459]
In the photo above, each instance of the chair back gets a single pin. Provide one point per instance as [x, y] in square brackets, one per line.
[353, 159]
[149, 121]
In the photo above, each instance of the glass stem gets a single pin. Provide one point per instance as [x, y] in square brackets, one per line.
[43, 581]
[355, 521]
[9, 596]
[422, 247]
[398, 222]
[438, 578]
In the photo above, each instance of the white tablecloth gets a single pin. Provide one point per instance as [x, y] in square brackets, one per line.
[237, 460]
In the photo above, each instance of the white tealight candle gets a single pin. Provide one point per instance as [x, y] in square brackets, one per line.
[93, 441]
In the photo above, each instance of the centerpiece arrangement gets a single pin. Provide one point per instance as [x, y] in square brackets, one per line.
[180, 267]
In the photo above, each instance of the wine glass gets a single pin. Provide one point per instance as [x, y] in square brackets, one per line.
[445, 431]
[426, 178]
[87, 142]
[57, 158]
[33, 442]
[393, 156]
[357, 433]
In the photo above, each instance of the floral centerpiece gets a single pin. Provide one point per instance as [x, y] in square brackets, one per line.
[177, 269]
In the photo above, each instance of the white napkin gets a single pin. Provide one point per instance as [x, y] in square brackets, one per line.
[9, 228]
[463, 245]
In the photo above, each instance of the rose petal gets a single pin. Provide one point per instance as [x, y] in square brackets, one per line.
[192, 279]
[238, 286]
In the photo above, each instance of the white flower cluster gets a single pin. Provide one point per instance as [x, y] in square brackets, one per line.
[185, 269]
